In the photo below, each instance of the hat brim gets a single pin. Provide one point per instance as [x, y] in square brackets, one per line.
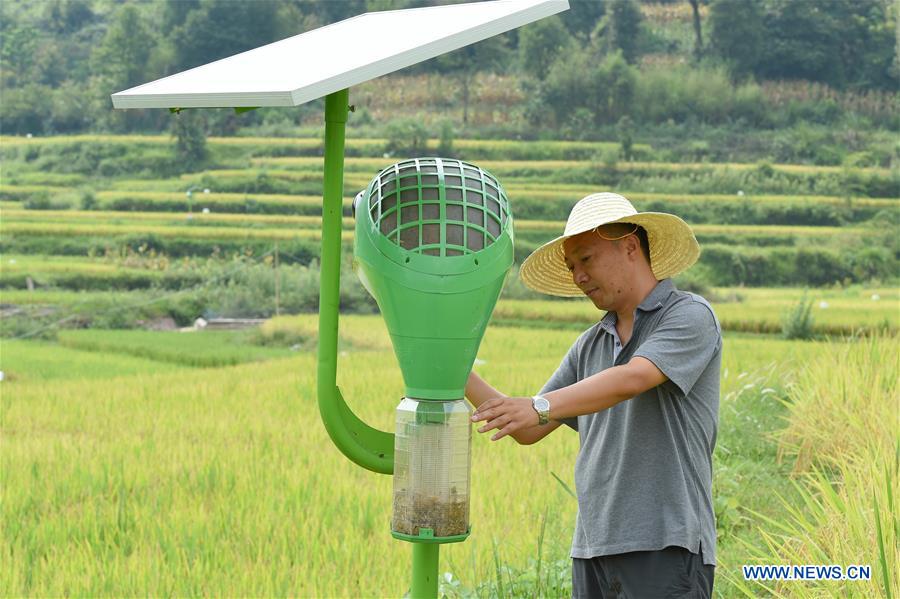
[673, 249]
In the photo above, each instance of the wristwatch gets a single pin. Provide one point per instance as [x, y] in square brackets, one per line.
[541, 405]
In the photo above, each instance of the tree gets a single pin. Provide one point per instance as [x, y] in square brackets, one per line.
[222, 28]
[578, 82]
[698, 32]
[737, 34]
[121, 58]
[843, 43]
[619, 81]
[540, 44]
[625, 131]
[25, 109]
[68, 16]
[17, 49]
[803, 41]
[332, 12]
[620, 29]
[570, 85]
[174, 14]
[465, 63]
[379, 5]
[189, 129]
[582, 16]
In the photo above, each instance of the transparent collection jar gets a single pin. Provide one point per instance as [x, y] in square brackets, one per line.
[432, 465]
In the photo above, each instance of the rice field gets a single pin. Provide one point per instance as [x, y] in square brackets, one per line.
[205, 224]
[730, 230]
[510, 167]
[310, 144]
[145, 477]
[552, 228]
[836, 311]
[841, 437]
[169, 463]
[131, 188]
[166, 231]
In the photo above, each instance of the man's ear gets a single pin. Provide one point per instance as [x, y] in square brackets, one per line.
[632, 246]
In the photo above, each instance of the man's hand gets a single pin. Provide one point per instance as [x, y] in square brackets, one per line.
[508, 414]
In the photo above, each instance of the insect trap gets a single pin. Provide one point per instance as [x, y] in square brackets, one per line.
[433, 244]
[434, 241]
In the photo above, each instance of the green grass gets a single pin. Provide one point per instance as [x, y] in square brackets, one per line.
[66, 298]
[201, 348]
[35, 361]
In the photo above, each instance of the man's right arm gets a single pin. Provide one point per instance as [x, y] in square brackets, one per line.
[479, 391]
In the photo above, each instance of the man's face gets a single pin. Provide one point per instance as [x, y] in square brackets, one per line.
[597, 268]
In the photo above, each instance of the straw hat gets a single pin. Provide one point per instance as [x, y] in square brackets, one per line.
[673, 247]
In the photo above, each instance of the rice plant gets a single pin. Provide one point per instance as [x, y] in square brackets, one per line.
[842, 436]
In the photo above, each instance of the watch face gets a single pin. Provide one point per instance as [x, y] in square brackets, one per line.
[542, 404]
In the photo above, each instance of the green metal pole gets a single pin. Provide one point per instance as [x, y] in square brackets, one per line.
[368, 447]
[330, 267]
[425, 571]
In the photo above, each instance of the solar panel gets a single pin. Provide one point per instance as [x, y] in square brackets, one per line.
[335, 57]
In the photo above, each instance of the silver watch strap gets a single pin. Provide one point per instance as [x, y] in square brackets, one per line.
[543, 415]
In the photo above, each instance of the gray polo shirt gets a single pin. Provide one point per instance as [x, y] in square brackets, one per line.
[644, 470]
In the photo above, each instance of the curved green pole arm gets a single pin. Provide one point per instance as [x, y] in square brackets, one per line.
[367, 446]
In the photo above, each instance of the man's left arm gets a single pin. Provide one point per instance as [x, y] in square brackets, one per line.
[593, 394]
[678, 350]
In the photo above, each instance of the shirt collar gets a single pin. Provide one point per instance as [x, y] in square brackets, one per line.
[653, 301]
[609, 320]
[656, 297]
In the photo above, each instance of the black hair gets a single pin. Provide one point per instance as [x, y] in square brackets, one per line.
[645, 242]
[641, 235]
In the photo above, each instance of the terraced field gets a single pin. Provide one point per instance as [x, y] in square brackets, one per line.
[67, 227]
[110, 425]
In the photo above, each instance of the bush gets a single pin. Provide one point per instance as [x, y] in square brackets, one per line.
[445, 142]
[88, 200]
[406, 137]
[783, 266]
[694, 94]
[797, 323]
[820, 267]
[245, 288]
[577, 87]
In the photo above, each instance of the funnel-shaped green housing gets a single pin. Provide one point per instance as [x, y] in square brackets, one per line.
[434, 241]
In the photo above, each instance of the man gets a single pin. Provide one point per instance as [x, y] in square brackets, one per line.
[641, 387]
